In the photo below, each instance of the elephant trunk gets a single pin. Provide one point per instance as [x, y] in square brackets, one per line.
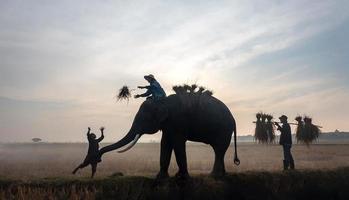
[131, 144]
[129, 137]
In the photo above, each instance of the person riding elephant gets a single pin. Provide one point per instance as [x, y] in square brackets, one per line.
[182, 117]
[154, 90]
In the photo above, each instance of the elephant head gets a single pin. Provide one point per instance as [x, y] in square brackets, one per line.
[148, 120]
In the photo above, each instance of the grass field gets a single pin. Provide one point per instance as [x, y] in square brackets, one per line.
[43, 171]
[30, 161]
[304, 184]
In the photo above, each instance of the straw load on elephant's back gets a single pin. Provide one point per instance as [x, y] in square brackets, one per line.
[191, 89]
[191, 95]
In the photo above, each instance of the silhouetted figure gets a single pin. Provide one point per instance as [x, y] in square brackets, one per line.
[92, 157]
[154, 90]
[286, 142]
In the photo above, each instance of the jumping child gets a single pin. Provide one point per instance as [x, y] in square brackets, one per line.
[93, 150]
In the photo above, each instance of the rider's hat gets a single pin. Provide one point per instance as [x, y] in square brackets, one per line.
[150, 76]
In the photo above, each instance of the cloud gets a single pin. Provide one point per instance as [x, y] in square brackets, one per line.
[83, 52]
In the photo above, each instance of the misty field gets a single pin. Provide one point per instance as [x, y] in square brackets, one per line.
[43, 160]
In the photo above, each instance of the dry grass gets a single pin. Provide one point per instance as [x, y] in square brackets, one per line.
[30, 161]
[315, 184]
[28, 171]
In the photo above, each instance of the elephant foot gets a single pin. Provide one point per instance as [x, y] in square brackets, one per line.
[217, 174]
[162, 175]
[182, 176]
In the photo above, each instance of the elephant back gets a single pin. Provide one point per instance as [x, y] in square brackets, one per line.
[197, 103]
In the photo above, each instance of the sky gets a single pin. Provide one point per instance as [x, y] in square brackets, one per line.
[62, 62]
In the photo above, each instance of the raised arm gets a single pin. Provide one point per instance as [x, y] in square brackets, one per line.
[88, 131]
[147, 93]
[102, 136]
[143, 87]
[88, 134]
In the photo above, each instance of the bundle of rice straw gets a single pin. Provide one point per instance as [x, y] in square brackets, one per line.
[124, 93]
[201, 89]
[307, 132]
[191, 89]
[261, 134]
[300, 126]
[264, 132]
[264, 138]
[186, 88]
[179, 89]
[270, 128]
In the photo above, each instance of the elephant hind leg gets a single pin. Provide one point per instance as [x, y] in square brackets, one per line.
[219, 167]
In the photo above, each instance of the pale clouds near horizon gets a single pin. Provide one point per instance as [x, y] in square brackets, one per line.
[62, 62]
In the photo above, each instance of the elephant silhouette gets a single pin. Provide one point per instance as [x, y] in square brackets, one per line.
[183, 116]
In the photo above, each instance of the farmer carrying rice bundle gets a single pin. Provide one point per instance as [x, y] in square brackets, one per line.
[306, 131]
[286, 142]
[154, 90]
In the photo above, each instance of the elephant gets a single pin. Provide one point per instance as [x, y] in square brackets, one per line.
[183, 116]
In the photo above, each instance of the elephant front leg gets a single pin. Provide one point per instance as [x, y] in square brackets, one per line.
[165, 156]
[181, 158]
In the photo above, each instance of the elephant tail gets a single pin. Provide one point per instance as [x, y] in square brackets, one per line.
[236, 159]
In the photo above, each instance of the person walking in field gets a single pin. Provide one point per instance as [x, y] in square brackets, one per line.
[286, 142]
[93, 151]
[154, 90]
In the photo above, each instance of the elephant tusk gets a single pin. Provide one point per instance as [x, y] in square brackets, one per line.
[132, 144]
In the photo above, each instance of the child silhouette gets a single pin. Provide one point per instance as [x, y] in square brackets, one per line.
[92, 154]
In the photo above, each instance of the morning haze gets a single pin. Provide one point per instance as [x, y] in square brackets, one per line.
[62, 62]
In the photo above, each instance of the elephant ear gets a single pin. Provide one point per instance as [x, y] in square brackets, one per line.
[161, 113]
